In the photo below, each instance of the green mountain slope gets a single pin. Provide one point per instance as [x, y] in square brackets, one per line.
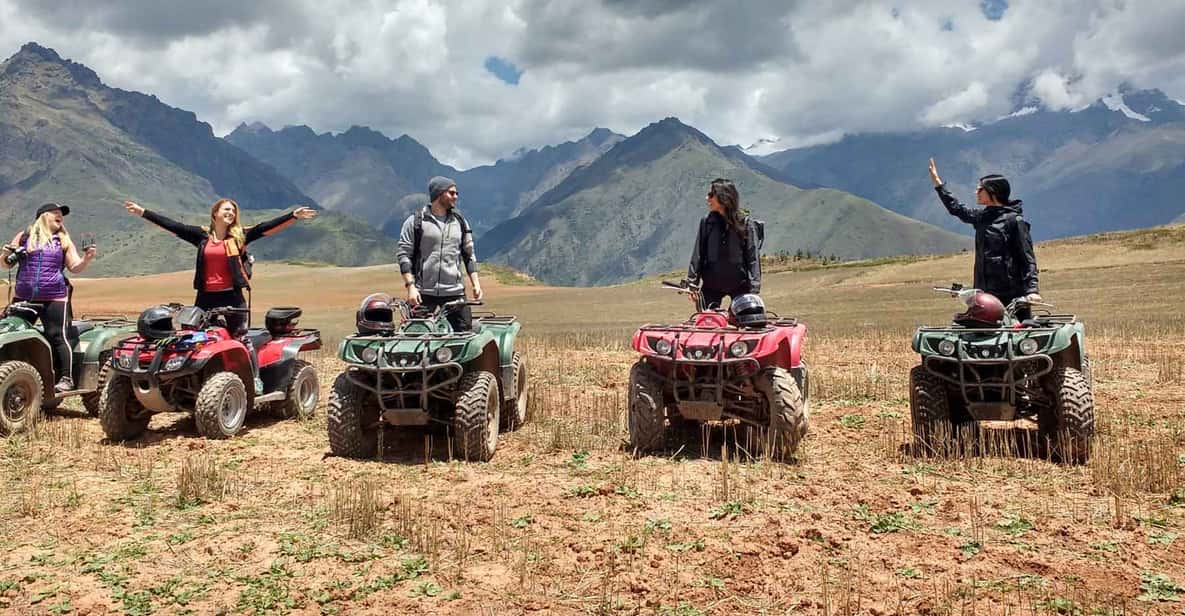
[634, 212]
[58, 143]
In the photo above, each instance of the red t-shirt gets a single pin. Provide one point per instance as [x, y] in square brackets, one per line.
[218, 276]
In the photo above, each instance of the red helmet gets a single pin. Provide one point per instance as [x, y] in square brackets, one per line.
[983, 310]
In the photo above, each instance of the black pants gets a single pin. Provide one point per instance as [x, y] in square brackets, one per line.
[236, 324]
[55, 318]
[460, 318]
[715, 297]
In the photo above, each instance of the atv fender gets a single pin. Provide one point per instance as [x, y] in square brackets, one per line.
[489, 361]
[790, 346]
[31, 347]
[102, 339]
[226, 355]
[277, 358]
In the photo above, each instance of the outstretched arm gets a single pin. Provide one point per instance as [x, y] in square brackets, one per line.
[275, 225]
[190, 233]
[956, 209]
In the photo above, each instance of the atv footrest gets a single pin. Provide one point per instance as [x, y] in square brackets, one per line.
[406, 417]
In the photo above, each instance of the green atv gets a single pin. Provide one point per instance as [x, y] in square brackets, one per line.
[990, 369]
[26, 364]
[418, 371]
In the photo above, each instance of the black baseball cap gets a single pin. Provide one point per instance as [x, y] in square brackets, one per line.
[49, 207]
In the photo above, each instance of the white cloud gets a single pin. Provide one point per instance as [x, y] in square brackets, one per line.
[800, 71]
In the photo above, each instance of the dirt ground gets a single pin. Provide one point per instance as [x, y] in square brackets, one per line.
[565, 521]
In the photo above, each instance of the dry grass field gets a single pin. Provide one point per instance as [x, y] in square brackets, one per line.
[565, 521]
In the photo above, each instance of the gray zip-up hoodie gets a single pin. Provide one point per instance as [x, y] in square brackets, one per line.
[440, 254]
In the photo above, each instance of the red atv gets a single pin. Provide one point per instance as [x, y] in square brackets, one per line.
[186, 359]
[742, 364]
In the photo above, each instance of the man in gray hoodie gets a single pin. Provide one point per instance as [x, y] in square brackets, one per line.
[435, 243]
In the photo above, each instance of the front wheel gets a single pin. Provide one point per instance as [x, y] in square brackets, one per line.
[647, 424]
[221, 406]
[1068, 425]
[475, 420]
[121, 415]
[21, 391]
[514, 411]
[787, 410]
[303, 392]
[353, 424]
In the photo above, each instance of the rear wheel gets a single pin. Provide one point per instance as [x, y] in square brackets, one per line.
[514, 411]
[1067, 427]
[221, 406]
[121, 415]
[90, 401]
[353, 423]
[475, 420]
[934, 431]
[21, 392]
[787, 410]
[647, 425]
[303, 392]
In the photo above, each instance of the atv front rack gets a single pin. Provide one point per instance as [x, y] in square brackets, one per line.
[968, 377]
[452, 372]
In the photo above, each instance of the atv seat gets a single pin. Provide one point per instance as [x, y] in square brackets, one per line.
[78, 328]
[257, 337]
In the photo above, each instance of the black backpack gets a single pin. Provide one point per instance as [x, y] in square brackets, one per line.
[418, 235]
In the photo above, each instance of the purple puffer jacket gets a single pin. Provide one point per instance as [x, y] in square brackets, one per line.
[40, 276]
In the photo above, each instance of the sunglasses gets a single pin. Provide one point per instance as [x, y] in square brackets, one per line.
[453, 193]
[979, 189]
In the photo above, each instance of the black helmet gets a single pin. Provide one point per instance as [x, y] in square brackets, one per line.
[376, 315]
[155, 323]
[747, 311]
[190, 317]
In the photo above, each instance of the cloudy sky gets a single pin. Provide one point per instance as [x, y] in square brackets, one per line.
[474, 80]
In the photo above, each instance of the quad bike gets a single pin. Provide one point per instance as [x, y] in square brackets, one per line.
[185, 359]
[26, 364]
[990, 367]
[407, 367]
[717, 365]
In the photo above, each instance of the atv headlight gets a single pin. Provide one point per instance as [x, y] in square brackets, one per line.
[443, 354]
[738, 349]
[369, 355]
[946, 347]
[662, 347]
[174, 363]
[1028, 346]
[125, 361]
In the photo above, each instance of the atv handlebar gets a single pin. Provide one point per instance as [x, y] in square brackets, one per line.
[688, 288]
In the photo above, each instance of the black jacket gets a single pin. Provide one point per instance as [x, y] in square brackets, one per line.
[722, 260]
[1005, 265]
[198, 236]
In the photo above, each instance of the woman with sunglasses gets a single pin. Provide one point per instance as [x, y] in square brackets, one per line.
[724, 259]
[1005, 265]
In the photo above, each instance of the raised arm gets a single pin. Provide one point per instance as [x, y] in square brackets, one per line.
[275, 225]
[190, 233]
[956, 208]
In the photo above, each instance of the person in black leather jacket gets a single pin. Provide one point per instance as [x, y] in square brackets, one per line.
[1005, 265]
[725, 258]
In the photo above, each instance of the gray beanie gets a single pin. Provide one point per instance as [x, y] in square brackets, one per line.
[438, 185]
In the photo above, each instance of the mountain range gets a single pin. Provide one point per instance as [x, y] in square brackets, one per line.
[67, 137]
[602, 209]
[1118, 163]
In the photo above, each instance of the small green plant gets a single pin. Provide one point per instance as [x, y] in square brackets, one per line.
[180, 538]
[627, 491]
[1158, 587]
[683, 609]
[591, 516]
[425, 589]
[970, 548]
[909, 573]
[579, 460]
[583, 490]
[631, 544]
[727, 510]
[654, 525]
[697, 545]
[1014, 524]
[852, 421]
[1158, 537]
[522, 521]
[891, 522]
[1060, 605]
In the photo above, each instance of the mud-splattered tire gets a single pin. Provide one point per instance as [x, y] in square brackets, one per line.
[475, 420]
[934, 430]
[221, 407]
[303, 393]
[514, 411]
[1067, 427]
[121, 415]
[647, 424]
[802, 377]
[352, 423]
[21, 391]
[787, 411]
[90, 401]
